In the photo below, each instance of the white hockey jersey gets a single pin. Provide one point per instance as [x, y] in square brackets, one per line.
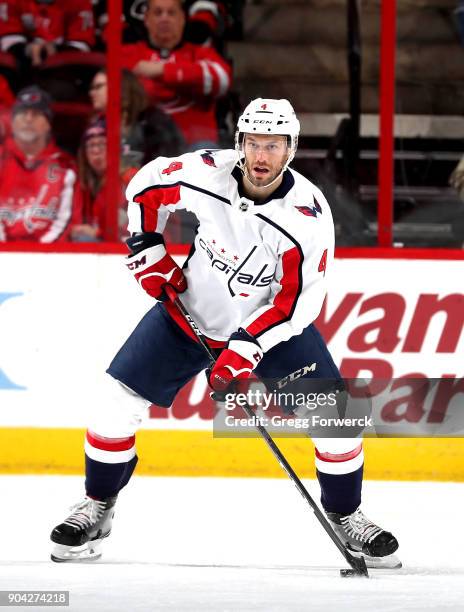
[258, 265]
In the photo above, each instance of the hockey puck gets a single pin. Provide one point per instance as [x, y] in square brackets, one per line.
[349, 573]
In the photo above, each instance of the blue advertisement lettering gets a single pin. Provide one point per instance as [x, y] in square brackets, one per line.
[5, 382]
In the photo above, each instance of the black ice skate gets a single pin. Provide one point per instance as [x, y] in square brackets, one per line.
[364, 538]
[79, 537]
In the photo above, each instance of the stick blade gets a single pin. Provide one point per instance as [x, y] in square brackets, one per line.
[358, 568]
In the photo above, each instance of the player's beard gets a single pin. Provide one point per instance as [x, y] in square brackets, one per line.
[270, 179]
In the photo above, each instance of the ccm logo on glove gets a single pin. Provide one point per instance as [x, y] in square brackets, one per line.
[136, 264]
[237, 361]
[154, 269]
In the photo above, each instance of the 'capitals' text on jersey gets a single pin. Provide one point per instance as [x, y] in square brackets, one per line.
[257, 265]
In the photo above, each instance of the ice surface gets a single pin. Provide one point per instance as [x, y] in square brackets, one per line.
[233, 544]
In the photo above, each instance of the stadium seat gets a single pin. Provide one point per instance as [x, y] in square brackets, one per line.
[67, 75]
[69, 122]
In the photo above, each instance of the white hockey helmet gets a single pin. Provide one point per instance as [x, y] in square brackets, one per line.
[267, 116]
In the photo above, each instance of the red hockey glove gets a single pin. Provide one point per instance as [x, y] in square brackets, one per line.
[236, 362]
[153, 268]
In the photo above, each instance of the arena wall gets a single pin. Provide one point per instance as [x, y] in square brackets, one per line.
[63, 315]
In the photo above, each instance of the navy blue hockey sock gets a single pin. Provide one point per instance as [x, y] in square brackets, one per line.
[107, 479]
[341, 493]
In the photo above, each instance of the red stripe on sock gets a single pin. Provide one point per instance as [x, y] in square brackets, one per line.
[337, 458]
[110, 444]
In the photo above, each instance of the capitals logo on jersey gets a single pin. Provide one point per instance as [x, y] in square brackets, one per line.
[310, 212]
[208, 159]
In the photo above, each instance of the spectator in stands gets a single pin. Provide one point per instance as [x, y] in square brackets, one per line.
[6, 102]
[92, 195]
[133, 103]
[13, 38]
[37, 179]
[92, 198]
[145, 132]
[183, 78]
[6, 95]
[205, 23]
[40, 28]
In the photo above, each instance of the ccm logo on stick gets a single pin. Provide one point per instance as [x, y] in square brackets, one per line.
[295, 375]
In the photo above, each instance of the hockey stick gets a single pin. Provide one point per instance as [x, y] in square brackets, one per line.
[358, 564]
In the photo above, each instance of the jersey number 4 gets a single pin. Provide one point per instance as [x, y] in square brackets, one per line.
[173, 167]
[323, 263]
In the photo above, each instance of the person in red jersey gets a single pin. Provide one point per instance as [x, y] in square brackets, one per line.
[13, 38]
[6, 96]
[92, 193]
[92, 189]
[6, 102]
[184, 79]
[207, 21]
[40, 28]
[37, 179]
[57, 25]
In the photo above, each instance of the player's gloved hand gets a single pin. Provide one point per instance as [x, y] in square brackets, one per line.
[236, 362]
[152, 267]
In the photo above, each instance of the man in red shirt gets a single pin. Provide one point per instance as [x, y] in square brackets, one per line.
[184, 79]
[37, 179]
[39, 28]
[206, 23]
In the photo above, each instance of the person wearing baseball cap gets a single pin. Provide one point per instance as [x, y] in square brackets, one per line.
[31, 119]
[34, 98]
[37, 179]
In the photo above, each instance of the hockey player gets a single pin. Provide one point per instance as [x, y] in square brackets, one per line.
[254, 282]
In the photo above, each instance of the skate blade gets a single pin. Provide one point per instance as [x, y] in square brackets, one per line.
[387, 562]
[77, 554]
